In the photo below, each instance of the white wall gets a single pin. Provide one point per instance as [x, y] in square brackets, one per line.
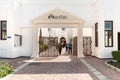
[32, 9]
[10, 10]
[107, 10]
[20, 14]
[87, 32]
[6, 46]
[84, 9]
[27, 41]
[58, 32]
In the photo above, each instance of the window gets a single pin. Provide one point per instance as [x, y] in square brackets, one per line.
[96, 35]
[3, 30]
[17, 40]
[108, 33]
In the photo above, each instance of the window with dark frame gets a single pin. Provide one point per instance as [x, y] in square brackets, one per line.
[96, 34]
[17, 40]
[3, 28]
[108, 33]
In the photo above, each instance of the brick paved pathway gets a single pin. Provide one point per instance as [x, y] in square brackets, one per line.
[15, 62]
[99, 64]
[57, 68]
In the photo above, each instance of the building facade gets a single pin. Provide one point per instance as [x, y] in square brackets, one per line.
[21, 20]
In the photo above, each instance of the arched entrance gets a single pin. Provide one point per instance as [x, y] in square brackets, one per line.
[63, 40]
[57, 19]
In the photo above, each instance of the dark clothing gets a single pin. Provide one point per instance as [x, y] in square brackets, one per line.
[69, 48]
[59, 48]
[63, 45]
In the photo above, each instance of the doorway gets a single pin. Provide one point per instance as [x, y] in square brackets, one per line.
[118, 40]
[75, 46]
[53, 41]
[87, 51]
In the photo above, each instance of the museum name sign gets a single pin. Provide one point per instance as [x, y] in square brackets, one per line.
[52, 16]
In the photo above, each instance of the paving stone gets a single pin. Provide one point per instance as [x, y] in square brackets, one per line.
[99, 64]
[60, 68]
[97, 73]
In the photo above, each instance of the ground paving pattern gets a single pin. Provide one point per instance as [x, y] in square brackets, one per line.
[15, 62]
[99, 64]
[57, 68]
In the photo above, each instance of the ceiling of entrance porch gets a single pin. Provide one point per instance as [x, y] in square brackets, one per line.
[57, 16]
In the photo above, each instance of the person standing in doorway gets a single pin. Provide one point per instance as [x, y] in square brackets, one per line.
[67, 47]
[60, 48]
[70, 48]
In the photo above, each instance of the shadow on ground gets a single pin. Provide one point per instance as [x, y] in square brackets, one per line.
[74, 66]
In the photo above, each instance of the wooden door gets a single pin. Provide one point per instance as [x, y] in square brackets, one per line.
[74, 46]
[87, 51]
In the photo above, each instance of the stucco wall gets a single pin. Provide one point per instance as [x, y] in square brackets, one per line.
[87, 32]
[27, 33]
[20, 14]
[6, 46]
[32, 10]
[107, 10]
[84, 11]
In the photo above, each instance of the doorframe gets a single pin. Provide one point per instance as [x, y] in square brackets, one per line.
[58, 25]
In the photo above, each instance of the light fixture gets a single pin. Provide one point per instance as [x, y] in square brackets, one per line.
[63, 29]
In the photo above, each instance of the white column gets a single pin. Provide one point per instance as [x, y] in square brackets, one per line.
[35, 42]
[80, 42]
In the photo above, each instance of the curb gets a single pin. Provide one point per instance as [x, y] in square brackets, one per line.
[97, 73]
[112, 67]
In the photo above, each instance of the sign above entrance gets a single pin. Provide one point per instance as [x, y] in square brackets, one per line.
[57, 16]
[52, 16]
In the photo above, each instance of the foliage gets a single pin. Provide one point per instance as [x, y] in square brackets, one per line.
[51, 42]
[115, 64]
[46, 47]
[43, 46]
[116, 55]
[5, 69]
[41, 41]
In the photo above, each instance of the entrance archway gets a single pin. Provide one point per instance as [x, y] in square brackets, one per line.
[63, 39]
[58, 19]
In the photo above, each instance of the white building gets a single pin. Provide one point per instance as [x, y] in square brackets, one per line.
[21, 19]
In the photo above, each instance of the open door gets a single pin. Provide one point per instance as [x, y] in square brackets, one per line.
[87, 51]
[74, 46]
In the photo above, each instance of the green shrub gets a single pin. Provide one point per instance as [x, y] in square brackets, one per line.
[116, 55]
[42, 45]
[41, 48]
[41, 41]
[46, 47]
[5, 69]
